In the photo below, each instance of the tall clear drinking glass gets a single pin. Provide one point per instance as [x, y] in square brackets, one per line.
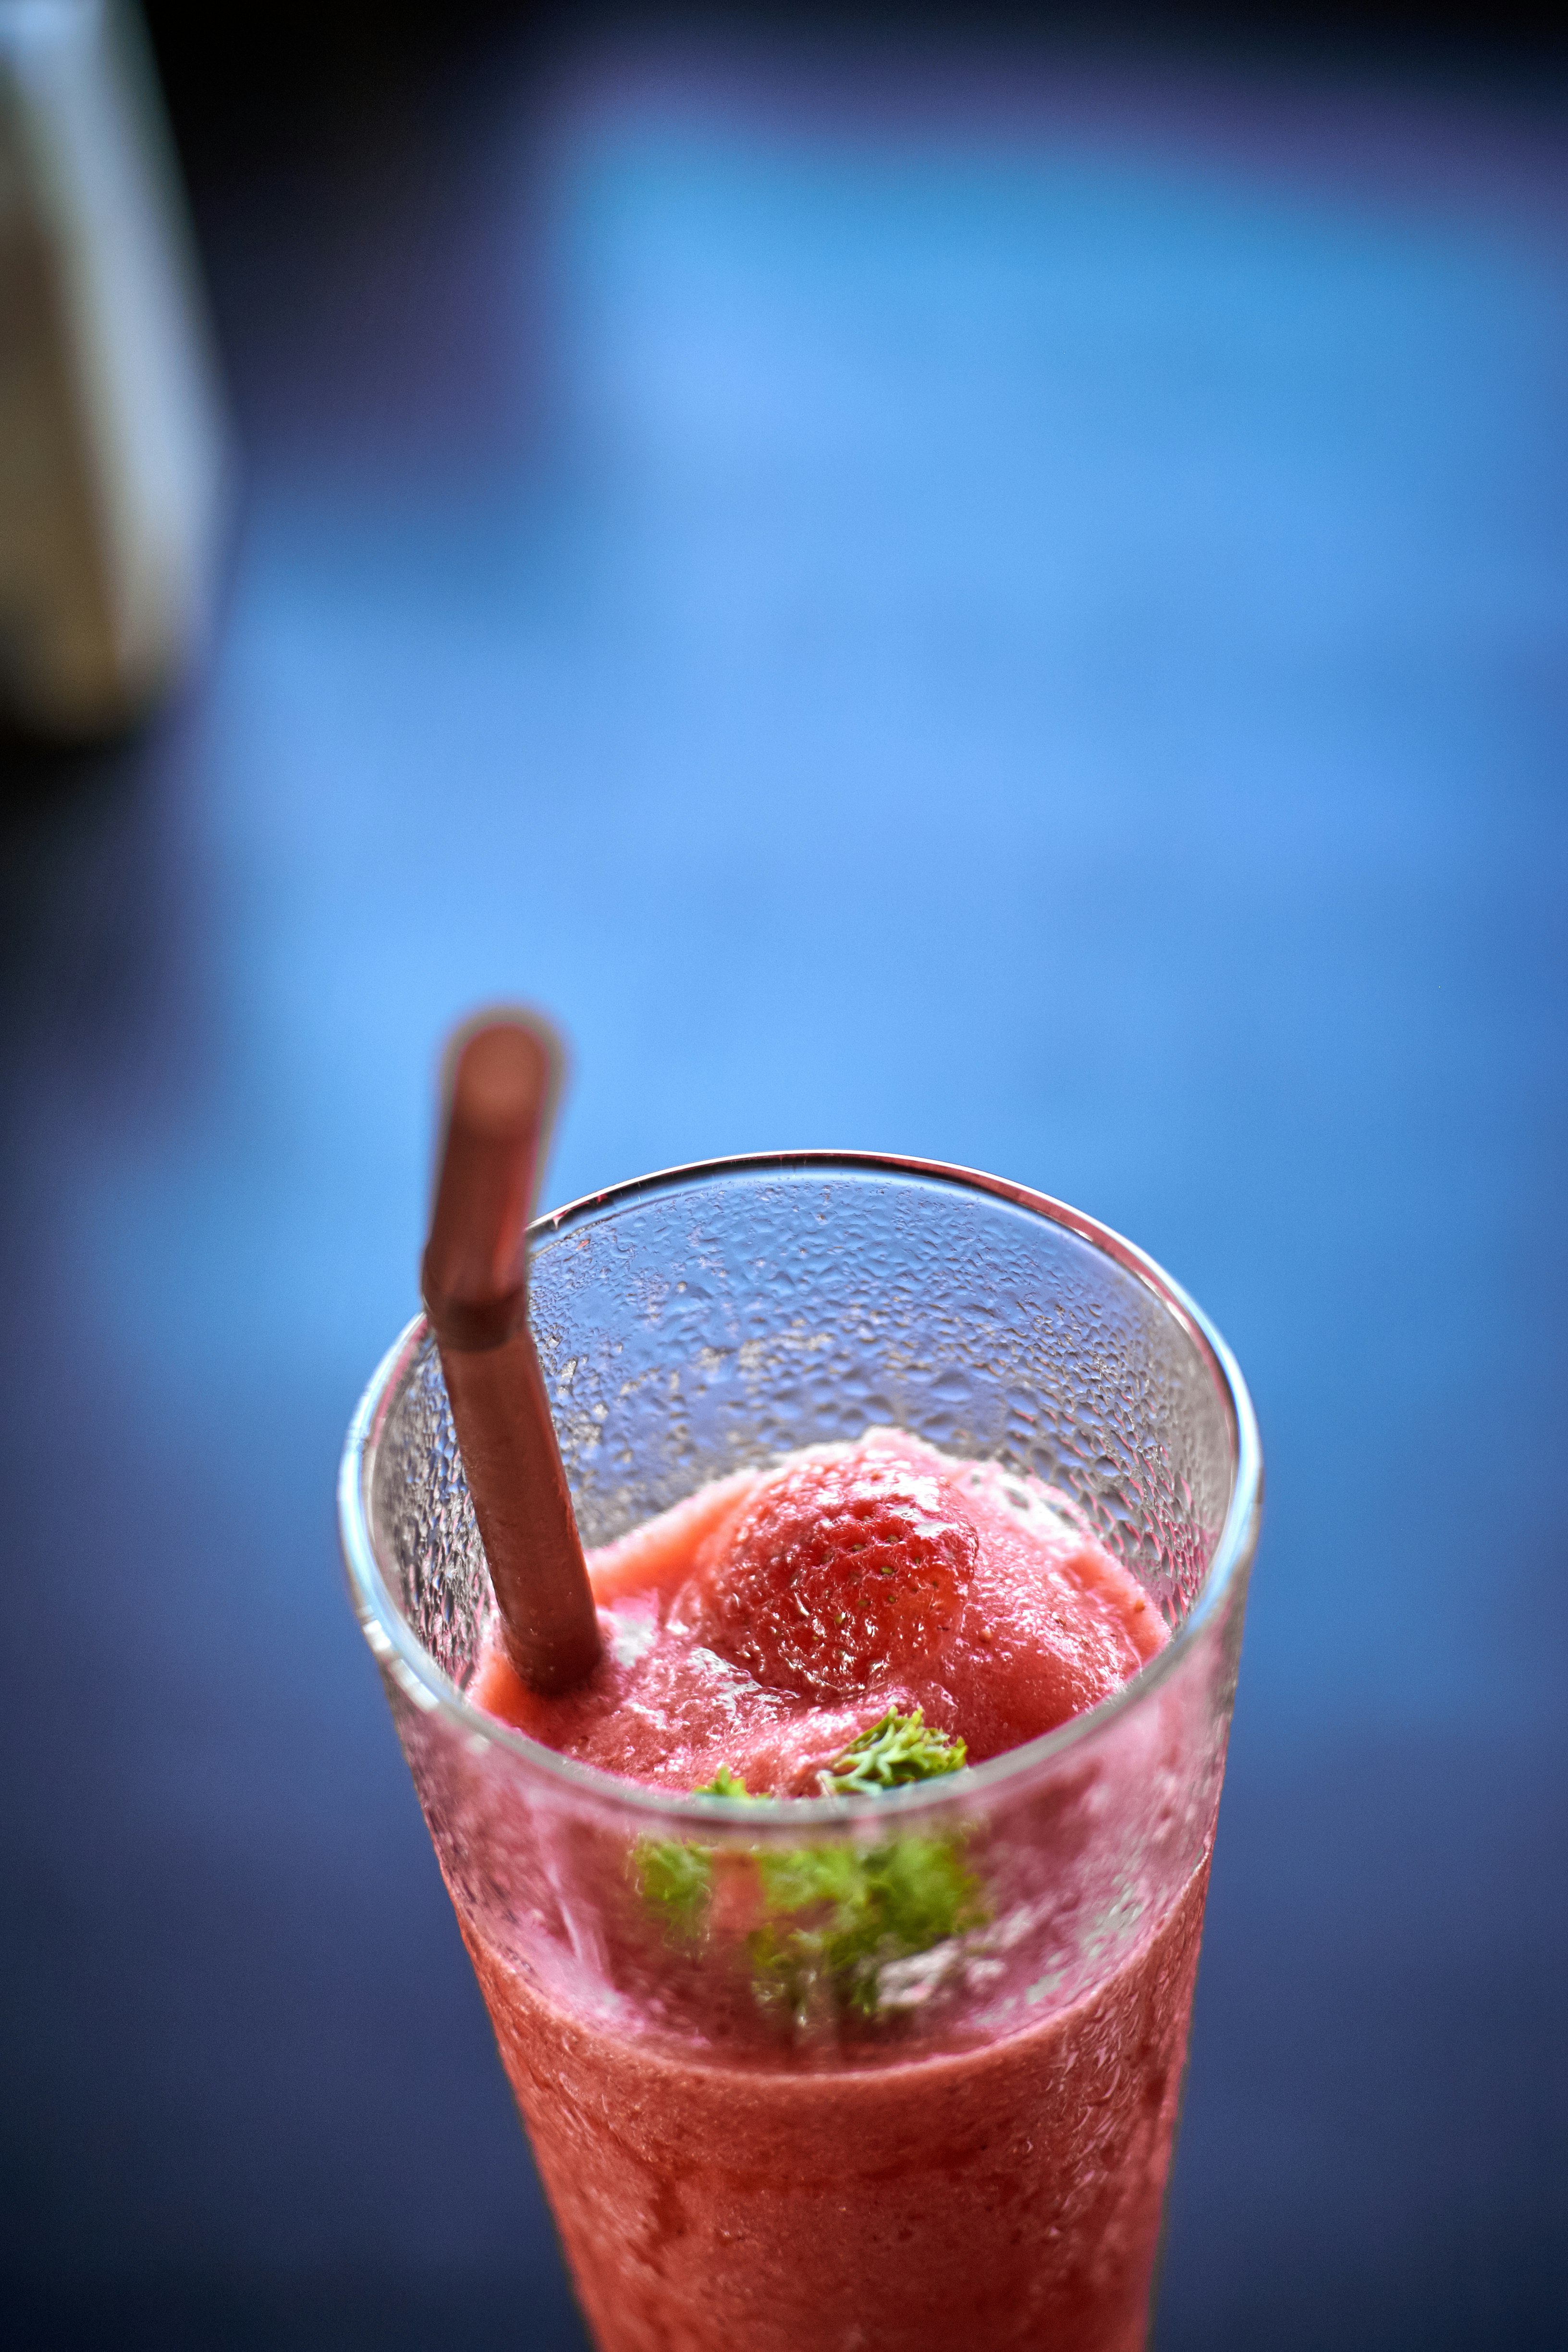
[975, 2150]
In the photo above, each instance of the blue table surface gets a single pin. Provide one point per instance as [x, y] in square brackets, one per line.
[1012, 613]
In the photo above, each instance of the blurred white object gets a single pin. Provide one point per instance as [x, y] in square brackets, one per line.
[112, 449]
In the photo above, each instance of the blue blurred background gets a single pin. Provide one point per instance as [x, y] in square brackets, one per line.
[964, 588]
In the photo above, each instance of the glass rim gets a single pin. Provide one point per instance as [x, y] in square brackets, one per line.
[399, 1652]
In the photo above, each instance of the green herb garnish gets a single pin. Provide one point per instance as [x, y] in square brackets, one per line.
[676, 1876]
[838, 1920]
[677, 1879]
[893, 1753]
[833, 1922]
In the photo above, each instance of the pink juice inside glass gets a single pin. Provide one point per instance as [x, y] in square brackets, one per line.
[893, 2071]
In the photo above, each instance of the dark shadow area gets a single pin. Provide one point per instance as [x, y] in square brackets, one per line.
[96, 923]
[253, 2315]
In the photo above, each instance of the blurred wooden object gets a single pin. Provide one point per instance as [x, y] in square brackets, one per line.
[112, 448]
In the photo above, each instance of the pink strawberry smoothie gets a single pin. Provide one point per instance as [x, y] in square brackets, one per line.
[752, 2190]
[765, 1622]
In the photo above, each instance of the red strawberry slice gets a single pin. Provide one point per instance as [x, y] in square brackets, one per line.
[840, 1574]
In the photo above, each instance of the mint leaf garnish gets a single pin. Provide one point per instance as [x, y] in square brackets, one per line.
[832, 1919]
[837, 1918]
[676, 1880]
[893, 1753]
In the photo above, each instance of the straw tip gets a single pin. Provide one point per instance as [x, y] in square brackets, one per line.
[503, 1072]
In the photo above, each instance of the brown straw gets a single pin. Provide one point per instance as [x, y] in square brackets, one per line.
[502, 1074]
